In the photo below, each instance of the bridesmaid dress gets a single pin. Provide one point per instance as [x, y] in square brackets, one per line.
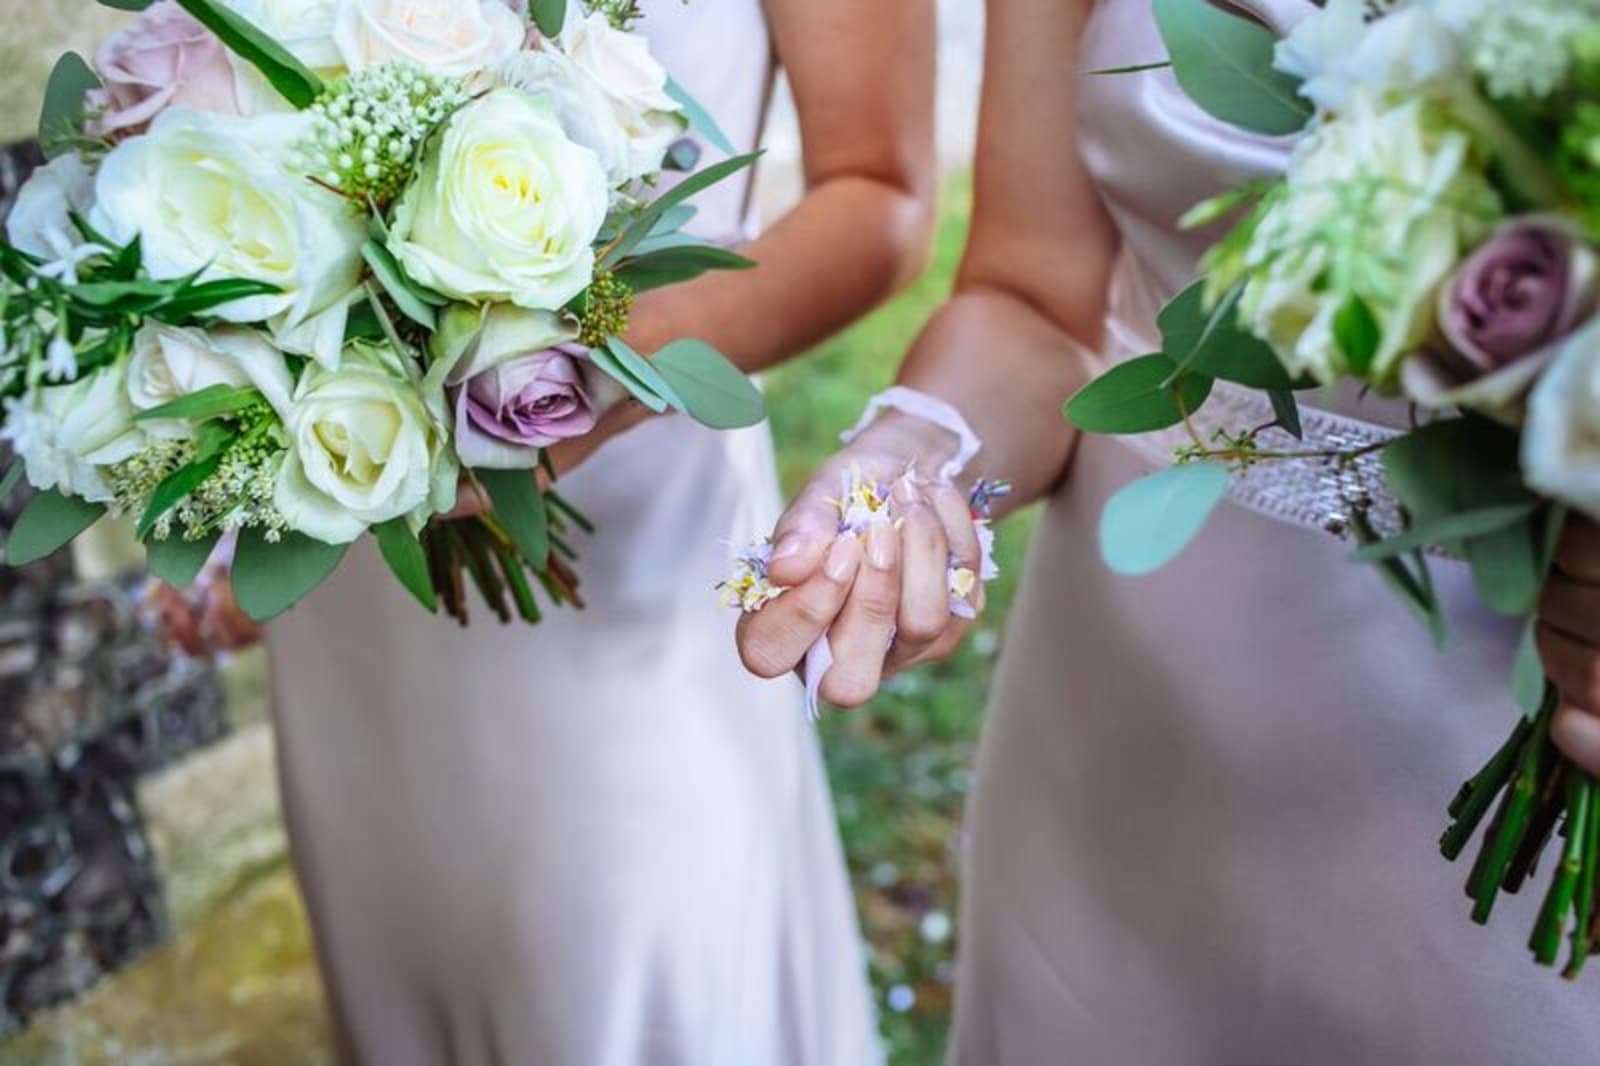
[598, 842]
[1206, 812]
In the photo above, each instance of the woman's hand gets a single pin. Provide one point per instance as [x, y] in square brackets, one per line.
[884, 604]
[1569, 643]
[207, 619]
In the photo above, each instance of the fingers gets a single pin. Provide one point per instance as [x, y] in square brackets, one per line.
[1578, 556]
[950, 504]
[1572, 607]
[226, 626]
[178, 619]
[773, 641]
[866, 626]
[1576, 732]
[925, 584]
[804, 533]
[1569, 644]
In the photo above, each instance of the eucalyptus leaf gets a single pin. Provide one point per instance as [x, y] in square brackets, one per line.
[1224, 62]
[209, 402]
[10, 481]
[1286, 409]
[1132, 68]
[549, 15]
[1447, 529]
[700, 119]
[269, 578]
[1146, 524]
[603, 358]
[48, 523]
[127, 5]
[684, 262]
[291, 78]
[713, 391]
[399, 287]
[61, 115]
[1211, 342]
[519, 505]
[1527, 672]
[178, 561]
[1453, 466]
[644, 371]
[403, 552]
[645, 223]
[1134, 397]
[1506, 568]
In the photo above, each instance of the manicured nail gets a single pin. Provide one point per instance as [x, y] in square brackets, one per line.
[793, 543]
[841, 560]
[881, 545]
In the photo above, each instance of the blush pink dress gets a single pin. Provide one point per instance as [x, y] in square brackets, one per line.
[599, 842]
[1208, 801]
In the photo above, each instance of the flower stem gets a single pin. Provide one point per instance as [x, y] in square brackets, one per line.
[1516, 811]
[1552, 921]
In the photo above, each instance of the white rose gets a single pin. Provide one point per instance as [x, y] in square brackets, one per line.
[366, 444]
[170, 362]
[449, 37]
[1337, 52]
[305, 28]
[609, 93]
[506, 207]
[1561, 438]
[65, 434]
[211, 193]
[40, 222]
[1379, 205]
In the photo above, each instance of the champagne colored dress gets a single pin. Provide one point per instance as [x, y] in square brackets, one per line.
[1207, 806]
[598, 842]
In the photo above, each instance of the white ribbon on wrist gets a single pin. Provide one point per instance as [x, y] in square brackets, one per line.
[930, 409]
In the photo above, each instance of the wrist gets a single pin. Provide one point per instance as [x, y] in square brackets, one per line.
[910, 439]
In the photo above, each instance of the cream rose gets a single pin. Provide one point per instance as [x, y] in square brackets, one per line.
[450, 37]
[1380, 204]
[171, 362]
[40, 222]
[506, 207]
[66, 434]
[609, 93]
[1561, 438]
[367, 444]
[212, 194]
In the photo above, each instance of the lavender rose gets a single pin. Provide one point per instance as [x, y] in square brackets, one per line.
[517, 384]
[165, 59]
[1503, 315]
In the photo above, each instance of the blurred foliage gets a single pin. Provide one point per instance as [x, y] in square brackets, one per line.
[901, 766]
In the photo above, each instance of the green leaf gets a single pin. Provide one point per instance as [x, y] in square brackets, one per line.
[1414, 589]
[1453, 466]
[209, 402]
[293, 81]
[178, 485]
[1527, 672]
[606, 360]
[549, 16]
[178, 561]
[48, 523]
[646, 373]
[399, 287]
[1132, 68]
[1134, 397]
[519, 505]
[403, 552]
[642, 226]
[700, 119]
[61, 116]
[12, 478]
[713, 391]
[1212, 343]
[197, 299]
[1146, 524]
[127, 5]
[1355, 330]
[1286, 409]
[1506, 567]
[269, 578]
[1448, 529]
[1224, 62]
[685, 261]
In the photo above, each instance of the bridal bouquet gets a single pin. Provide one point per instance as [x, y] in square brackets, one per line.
[296, 271]
[1434, 237]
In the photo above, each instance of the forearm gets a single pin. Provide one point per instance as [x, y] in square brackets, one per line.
[843, 249]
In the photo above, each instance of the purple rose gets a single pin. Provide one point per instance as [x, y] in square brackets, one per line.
[165, 59]
[1523, 290]
[506, 413]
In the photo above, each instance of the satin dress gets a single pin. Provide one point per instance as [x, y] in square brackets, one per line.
[598, 842]
[1207, 806]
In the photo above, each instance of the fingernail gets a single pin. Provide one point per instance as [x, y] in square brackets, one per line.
[793, 543]
[905, 492]
[841, 559]
[881, 545]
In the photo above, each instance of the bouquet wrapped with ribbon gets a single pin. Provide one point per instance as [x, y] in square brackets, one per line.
[1432, 239]
[299, 276]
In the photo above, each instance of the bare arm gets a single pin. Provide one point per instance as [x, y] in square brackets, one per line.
[1005, 351]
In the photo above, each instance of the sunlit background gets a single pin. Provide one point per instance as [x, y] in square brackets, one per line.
[190, 943]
